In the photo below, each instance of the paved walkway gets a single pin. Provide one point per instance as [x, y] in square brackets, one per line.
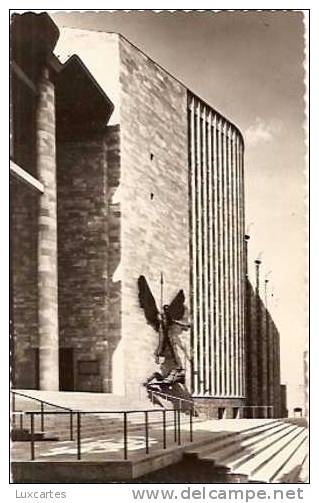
[110, 447]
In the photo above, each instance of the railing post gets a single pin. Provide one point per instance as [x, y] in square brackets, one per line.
[78, 425]
[179, 426]
[71, 425]
[13, 410]
[32, 436]
[146, 433]
[125, 434]
[42, 416]
[175, 426]
[164, 429]
[191, 425]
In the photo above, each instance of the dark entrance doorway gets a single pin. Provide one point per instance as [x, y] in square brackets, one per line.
[66, 369]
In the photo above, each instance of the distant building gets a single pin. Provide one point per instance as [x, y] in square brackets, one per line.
[283, 398]
[94, 206]
[262, 351]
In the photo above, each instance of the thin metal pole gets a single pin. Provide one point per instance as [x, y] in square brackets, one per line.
[13, 411]
[191, 425]
[164, 429]
[162, 281]
[179, 426]
[175, 424]
[78, 425]
[32, 436]
[42, 416]
[21, 421]
[71, 425]
[146, 433]
[125, 434]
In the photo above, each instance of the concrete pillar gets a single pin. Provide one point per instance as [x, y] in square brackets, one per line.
[47, 236]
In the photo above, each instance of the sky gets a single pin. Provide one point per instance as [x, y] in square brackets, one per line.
[250, 67]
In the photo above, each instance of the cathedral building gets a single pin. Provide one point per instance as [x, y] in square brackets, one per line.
[119, 171]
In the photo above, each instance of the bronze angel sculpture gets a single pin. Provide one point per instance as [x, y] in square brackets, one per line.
[161, 321]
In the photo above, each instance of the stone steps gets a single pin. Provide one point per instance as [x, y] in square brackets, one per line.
[273, 452]
[231, 446]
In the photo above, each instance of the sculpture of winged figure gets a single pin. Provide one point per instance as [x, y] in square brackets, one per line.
[162, 320]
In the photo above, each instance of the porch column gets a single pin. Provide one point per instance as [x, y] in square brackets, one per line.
[47, 236]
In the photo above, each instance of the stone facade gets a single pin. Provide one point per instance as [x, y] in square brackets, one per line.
[24, 287]
[153, 204]
[83, 254]
[117, 205]
[88, 224]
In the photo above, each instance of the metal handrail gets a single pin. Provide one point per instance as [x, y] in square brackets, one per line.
[170, 398]
[125, 413]
[242, 408]
[42, 411]
[40, 401]
[167, 396]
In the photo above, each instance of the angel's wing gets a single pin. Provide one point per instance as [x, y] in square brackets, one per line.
[177, 307]
[147, 302]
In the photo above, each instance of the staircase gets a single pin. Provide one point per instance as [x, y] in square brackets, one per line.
[242, 450]
[273, 452]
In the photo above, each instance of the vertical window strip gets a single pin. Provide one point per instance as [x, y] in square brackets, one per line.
[200, 249]
[234, 271]
[227, 253]
[205, 250]
[194, 329]
[225, 270]
[211, 195]
[231, 265]
[208, 261]
[222, 264]
[239, 266]
[197, 256]
[216, 277]
[242, 220]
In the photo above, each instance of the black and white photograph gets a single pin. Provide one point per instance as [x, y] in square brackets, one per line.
[159, 247]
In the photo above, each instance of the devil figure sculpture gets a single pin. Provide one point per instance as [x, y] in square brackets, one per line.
[162, 320]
